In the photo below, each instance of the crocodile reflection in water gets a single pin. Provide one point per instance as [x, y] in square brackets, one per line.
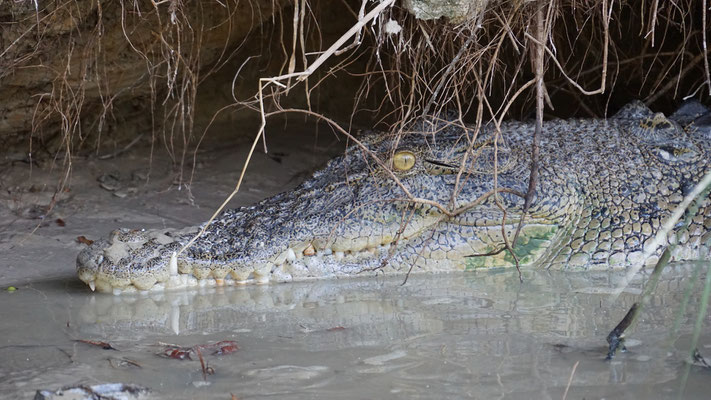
[605, 188]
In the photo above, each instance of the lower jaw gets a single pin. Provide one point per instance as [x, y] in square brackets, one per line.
[200, 273]
[177, 282]
[296, 267]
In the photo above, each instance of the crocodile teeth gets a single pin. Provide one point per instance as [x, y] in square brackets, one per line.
[294, 262]
[173, 264]
[103, 286]
[240, 275]
[220, 272]
[281, 274]
[262, 272]
[309, 251]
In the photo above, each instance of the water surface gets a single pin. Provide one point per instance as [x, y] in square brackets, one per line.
[476, 335]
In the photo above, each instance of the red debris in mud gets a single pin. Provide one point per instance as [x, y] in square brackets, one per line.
[177, 354]
[225, 347]
[216, 349]
[84, 240]
[103, 345]
[336, 329]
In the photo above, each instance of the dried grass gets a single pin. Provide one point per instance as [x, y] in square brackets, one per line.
[482, 67]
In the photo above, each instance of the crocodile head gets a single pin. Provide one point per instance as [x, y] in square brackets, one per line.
[446, 199]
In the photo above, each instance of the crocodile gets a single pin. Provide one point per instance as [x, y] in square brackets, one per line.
[446, 197]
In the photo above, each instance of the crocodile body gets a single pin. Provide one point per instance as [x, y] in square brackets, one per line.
[605, 188]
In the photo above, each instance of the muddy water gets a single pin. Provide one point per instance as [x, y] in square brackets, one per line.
[475, 335]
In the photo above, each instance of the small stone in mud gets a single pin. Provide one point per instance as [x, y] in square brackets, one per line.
[110, 181]
[139, 175]
[121, 193]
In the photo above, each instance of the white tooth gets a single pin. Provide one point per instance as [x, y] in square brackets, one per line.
[262, 272]
[174, 264]
[327, 251]
[341, 246]
[281, 257]
[339, 255]
[298, 249]
[290, 255]
[240, 274]
[374, 241]
[117, 291]
[92, 285]
[309, 250]
[263, 268]
[280, 274]
[359, 244]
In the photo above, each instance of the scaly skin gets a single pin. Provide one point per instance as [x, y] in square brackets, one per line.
[605, 188]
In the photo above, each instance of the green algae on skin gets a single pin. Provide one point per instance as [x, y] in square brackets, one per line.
[531, 244]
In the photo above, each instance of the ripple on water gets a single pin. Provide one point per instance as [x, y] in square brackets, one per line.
[479, 334]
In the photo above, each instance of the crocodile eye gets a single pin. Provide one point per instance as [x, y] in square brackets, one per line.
[680, 152]
[403, 160]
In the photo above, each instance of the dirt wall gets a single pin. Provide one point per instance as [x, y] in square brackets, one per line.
[66, 66]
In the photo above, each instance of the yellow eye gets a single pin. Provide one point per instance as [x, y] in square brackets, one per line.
[403, 160]
[678, 152]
